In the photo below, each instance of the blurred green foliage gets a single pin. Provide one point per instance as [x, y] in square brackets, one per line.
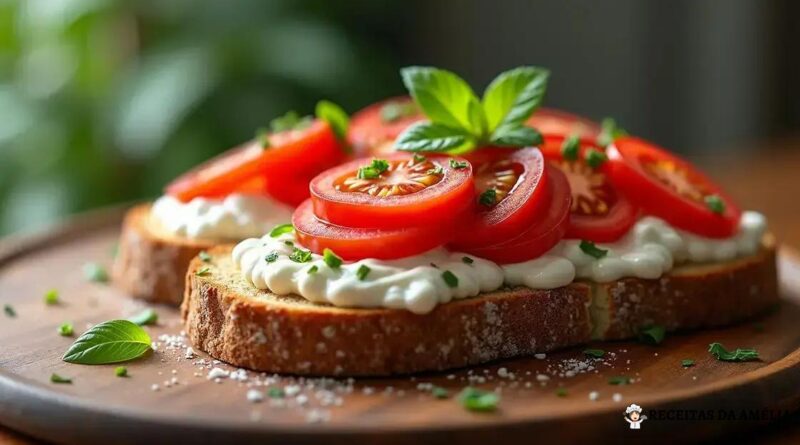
[104, 101]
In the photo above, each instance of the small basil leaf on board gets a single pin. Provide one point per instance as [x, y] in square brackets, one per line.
[426, 136]
[516, 136]
[109, 342]
[146, 317]
[335, 116]
[514, 95]
[738, 355]
[442, 95]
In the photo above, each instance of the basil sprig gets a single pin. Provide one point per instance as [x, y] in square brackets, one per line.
[109, 342]
[459, 121]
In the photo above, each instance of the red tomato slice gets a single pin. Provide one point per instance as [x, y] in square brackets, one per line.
[358, 243]
[599, 212]
[411, 191]
[554, 122]
[543, 233]
[374, 129]
[520, 186]
[669, 187]
[311, 149]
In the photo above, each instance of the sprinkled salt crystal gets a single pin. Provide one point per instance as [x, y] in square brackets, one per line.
[217, 373]
[451, 376]
[301, 400]
[318, 416]
[594, 395]
[291, 390]
[540, 356]
[617, 397]
[542, 377]
[502, 372]
[189, 353]
[255, 396]
[154, 387]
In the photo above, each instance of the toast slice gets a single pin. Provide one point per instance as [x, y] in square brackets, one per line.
[234, 322]
[151, 263]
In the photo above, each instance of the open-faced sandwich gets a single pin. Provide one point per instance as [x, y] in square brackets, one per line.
[240, 194]
[480, 238]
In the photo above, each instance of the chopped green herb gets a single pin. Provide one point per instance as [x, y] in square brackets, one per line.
[205, 271]
[362, 272]
[458, 165]
[610, 132]
[440, 393]
[715, 204]
[474, 399]
[739, 355]
[488, 198]
[146, 317]
[331, 259]
[394, 111]
[204, 256]
[596, 353]
[652, 335]
[290, 121]
[121, 371]
[275, 392]
[55, 378]
[686, 363]
[262, 137]
[289, 243]
[280, 230]
[313, 269]
[434, 265]
[300, 255]
[95, 272]
[438, 170]
[589, 248]
[418, 158]
[51, 297]
[271, 257]
[66, 329]
[9, 310]
[570, 148]
[450, 278]
[373, 170]
[619, 380]
[595, 158]
[561, 391]
[467, 260]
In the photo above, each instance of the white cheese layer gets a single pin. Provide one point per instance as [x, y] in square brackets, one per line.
[650, 249]
[235, 217]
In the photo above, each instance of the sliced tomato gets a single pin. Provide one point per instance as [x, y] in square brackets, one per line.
[310, 149]
[373, 130]
[519, 184]
[554, 122]
[543, 233]
[358, 243]
[669, 187]
[412, 190]
[599, 212]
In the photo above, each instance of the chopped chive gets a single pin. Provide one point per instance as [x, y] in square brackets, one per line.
[300, 255]
[419, 158]
[9, 310]
[595, 158]
[55, 378]
[362, 272]
[331, 259]
[275, 392]
[280, 230]
[619, 380]
[438, 170]
[458, 165]
[467, 260]
[715, 204]
[66, 329]
[596, 353]
[652, 335]
[203, 272]
[434, 265]
[450, 278]
[474, 399]
[488, 198]
[51, 297]
[561, 391]
[121, 371]
[570, 147]
[313, 269]
[589, 248]
[204, 256]
[373, 170]
[439, 392]
[289, 243]
[686, 363]
[271, 257]
[95, 273]
[739, 355]
[262, 137]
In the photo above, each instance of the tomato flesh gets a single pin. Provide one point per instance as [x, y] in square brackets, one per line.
[544, 232]
[412, 191]
[374, 129]
[598, 212]
[670, 188]
[310, 149]
[358, 243]
[519, 182]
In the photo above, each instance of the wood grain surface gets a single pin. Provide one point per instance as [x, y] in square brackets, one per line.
[99, 407]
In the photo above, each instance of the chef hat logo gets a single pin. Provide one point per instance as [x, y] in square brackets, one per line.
[632, 408]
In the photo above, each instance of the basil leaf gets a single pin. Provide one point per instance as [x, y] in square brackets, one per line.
[335, 116]
[443, 96]
[109, 342]
[146, 317]
[426, 136]
[516, 136]
[477, 118]
[514, 95]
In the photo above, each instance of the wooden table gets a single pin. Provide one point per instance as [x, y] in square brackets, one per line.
[766, 183]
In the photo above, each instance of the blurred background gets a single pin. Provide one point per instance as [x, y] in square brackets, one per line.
[104, 101]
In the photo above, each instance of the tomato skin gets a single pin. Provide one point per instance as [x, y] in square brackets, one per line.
[370, 135]
[310, 150]
[627, 159]
[622, 213]
[442, 203]
[357, 243]
[554, 122]
[516, 211]
[543, 234]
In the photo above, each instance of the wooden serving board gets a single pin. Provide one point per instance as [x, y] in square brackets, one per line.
[695, 403]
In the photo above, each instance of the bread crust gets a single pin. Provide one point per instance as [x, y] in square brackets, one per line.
[151, 265]
[236, 323]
